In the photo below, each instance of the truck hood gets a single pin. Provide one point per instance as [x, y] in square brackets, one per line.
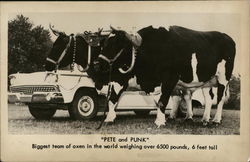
[39, 78]
[29, 78]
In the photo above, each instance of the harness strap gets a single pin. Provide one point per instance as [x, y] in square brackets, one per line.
[104, 58]
[63, 53]
[110, 61]
[132, 62]
[89, 54]
[50, 60]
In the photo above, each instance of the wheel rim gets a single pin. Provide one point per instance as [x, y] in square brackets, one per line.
[85, 105]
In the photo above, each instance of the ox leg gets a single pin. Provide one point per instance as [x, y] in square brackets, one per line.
[116, 91]
[160, 118]
[188, 100]
[208, 105]
[166, 90]
[222, 89]
[176, 102]
[111, 114]
[221, 96]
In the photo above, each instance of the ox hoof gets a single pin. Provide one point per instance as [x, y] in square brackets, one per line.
[171, 120]
[189, 120]
[215, 123]
[160, 124]
[108, 123]
[205, 123]
[107, 120]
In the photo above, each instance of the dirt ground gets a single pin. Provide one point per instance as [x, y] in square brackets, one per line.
[21, 122]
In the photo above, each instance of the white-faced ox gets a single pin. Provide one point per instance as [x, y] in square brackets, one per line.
[168, 58]
[70, 49]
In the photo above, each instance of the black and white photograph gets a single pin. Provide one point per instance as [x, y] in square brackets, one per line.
[126, 78]
[179, 79]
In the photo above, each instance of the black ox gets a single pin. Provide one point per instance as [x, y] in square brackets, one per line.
[69, 49]
[168, 58]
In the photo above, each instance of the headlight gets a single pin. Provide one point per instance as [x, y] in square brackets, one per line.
[50, 96]
[12, 80]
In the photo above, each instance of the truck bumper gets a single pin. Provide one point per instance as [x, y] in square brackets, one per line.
[51, 97]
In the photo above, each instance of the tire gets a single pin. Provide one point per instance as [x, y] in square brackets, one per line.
[41, 113]
[142, 112]
[84, 105]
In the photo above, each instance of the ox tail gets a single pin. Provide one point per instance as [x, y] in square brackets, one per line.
[227, 93]
[229, 55]
[228, 51]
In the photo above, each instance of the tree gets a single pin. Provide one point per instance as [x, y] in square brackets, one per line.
[234, 89]
[28, 45]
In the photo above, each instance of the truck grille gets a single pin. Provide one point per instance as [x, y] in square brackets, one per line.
[28, 90]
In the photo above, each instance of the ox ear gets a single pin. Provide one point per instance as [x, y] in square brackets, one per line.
[134, 38]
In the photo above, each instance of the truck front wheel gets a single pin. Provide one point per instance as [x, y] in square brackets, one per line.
[84, 105]
[41, 113]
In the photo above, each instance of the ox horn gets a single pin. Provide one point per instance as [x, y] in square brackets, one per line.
[100, 30]
[105, 33]
[135, 38]
[56, 32]
[132, 63]
[113, 29]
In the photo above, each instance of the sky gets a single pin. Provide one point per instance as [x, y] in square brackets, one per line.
[80, 22]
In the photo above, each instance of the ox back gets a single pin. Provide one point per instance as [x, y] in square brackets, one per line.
[164, 53]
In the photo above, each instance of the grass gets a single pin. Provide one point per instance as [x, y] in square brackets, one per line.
[21, 122]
